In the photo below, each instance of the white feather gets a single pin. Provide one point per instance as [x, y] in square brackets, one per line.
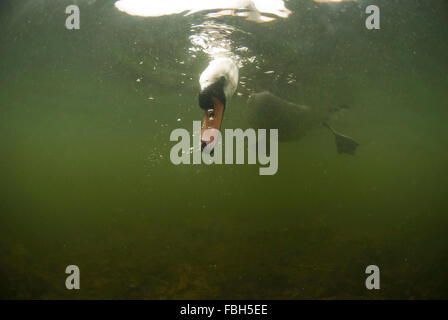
[221, 67]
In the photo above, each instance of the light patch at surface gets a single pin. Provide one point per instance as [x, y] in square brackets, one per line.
[333, 1]
[253, 8]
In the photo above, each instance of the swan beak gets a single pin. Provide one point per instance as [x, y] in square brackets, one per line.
[212, 121]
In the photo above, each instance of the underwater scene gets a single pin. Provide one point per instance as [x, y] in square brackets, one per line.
[94, 173]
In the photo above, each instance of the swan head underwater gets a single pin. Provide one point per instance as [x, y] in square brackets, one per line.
[218, 83]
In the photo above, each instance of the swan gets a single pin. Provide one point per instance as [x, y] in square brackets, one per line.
[218, 83]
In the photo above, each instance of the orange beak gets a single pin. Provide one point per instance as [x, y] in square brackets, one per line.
[212, 120]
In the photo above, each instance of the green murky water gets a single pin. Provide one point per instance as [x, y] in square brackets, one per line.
[86, 178]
